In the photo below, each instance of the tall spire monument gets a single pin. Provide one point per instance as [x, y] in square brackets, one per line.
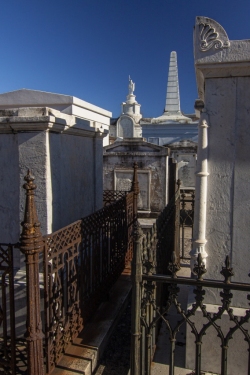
[173, 94]
[172, 110]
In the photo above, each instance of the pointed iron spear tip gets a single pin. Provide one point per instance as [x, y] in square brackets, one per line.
[29, 178]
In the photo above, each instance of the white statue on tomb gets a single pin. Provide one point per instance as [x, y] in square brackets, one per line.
[131, 86]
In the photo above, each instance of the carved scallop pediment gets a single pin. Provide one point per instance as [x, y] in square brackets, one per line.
[210, 35]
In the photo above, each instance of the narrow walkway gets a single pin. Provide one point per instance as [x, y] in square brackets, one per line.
[82, 357]
[116, 357]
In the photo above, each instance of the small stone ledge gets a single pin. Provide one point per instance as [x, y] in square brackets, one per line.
[13, 121]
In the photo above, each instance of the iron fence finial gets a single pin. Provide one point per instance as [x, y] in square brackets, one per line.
[227, 271]
[199, 268]
[173, 266]
[31, 237]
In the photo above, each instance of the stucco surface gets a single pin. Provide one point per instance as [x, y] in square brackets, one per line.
[228, 208]
[72, 178]
[150, 158]
[9, 180]
[66, 162]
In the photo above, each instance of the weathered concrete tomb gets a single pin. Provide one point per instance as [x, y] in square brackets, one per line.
[60, 139]
[152, 160]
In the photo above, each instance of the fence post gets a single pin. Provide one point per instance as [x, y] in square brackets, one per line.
[136, 304]
[136, 281]
[136, 190]
[31, 244]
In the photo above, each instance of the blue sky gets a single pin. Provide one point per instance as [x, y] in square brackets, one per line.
[88, 48]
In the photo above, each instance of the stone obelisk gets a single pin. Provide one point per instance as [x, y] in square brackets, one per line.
[173, 95]
[172, 110]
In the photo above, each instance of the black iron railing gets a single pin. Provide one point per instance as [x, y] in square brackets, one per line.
[211, 321]
[157, 300]
[7, 311]
[152, 253]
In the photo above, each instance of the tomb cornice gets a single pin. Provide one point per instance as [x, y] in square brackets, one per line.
[215, 55]
[15, 124]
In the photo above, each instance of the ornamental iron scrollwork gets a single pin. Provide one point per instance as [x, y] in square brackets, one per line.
[81, 263]
[159, 303]
[8, 344]
[153, 311]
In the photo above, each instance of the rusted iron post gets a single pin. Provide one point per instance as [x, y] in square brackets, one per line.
[136, 284]
[136, 303]
[31, 245]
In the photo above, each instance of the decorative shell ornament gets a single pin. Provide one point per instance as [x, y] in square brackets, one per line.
[210, 34]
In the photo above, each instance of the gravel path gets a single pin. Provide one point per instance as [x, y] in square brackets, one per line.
[116, 358]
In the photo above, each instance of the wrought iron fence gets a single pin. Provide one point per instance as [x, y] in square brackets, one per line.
[152, 253]
[110, 196]
[187, 198]
[148, 311]
[7, 311]
[168, 228]
[63, 319]
[80, 264]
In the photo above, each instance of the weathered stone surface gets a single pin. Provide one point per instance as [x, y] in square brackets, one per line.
[152, 171]
[123, 181]
[125, 127]
[227, 106]
[65, 156]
